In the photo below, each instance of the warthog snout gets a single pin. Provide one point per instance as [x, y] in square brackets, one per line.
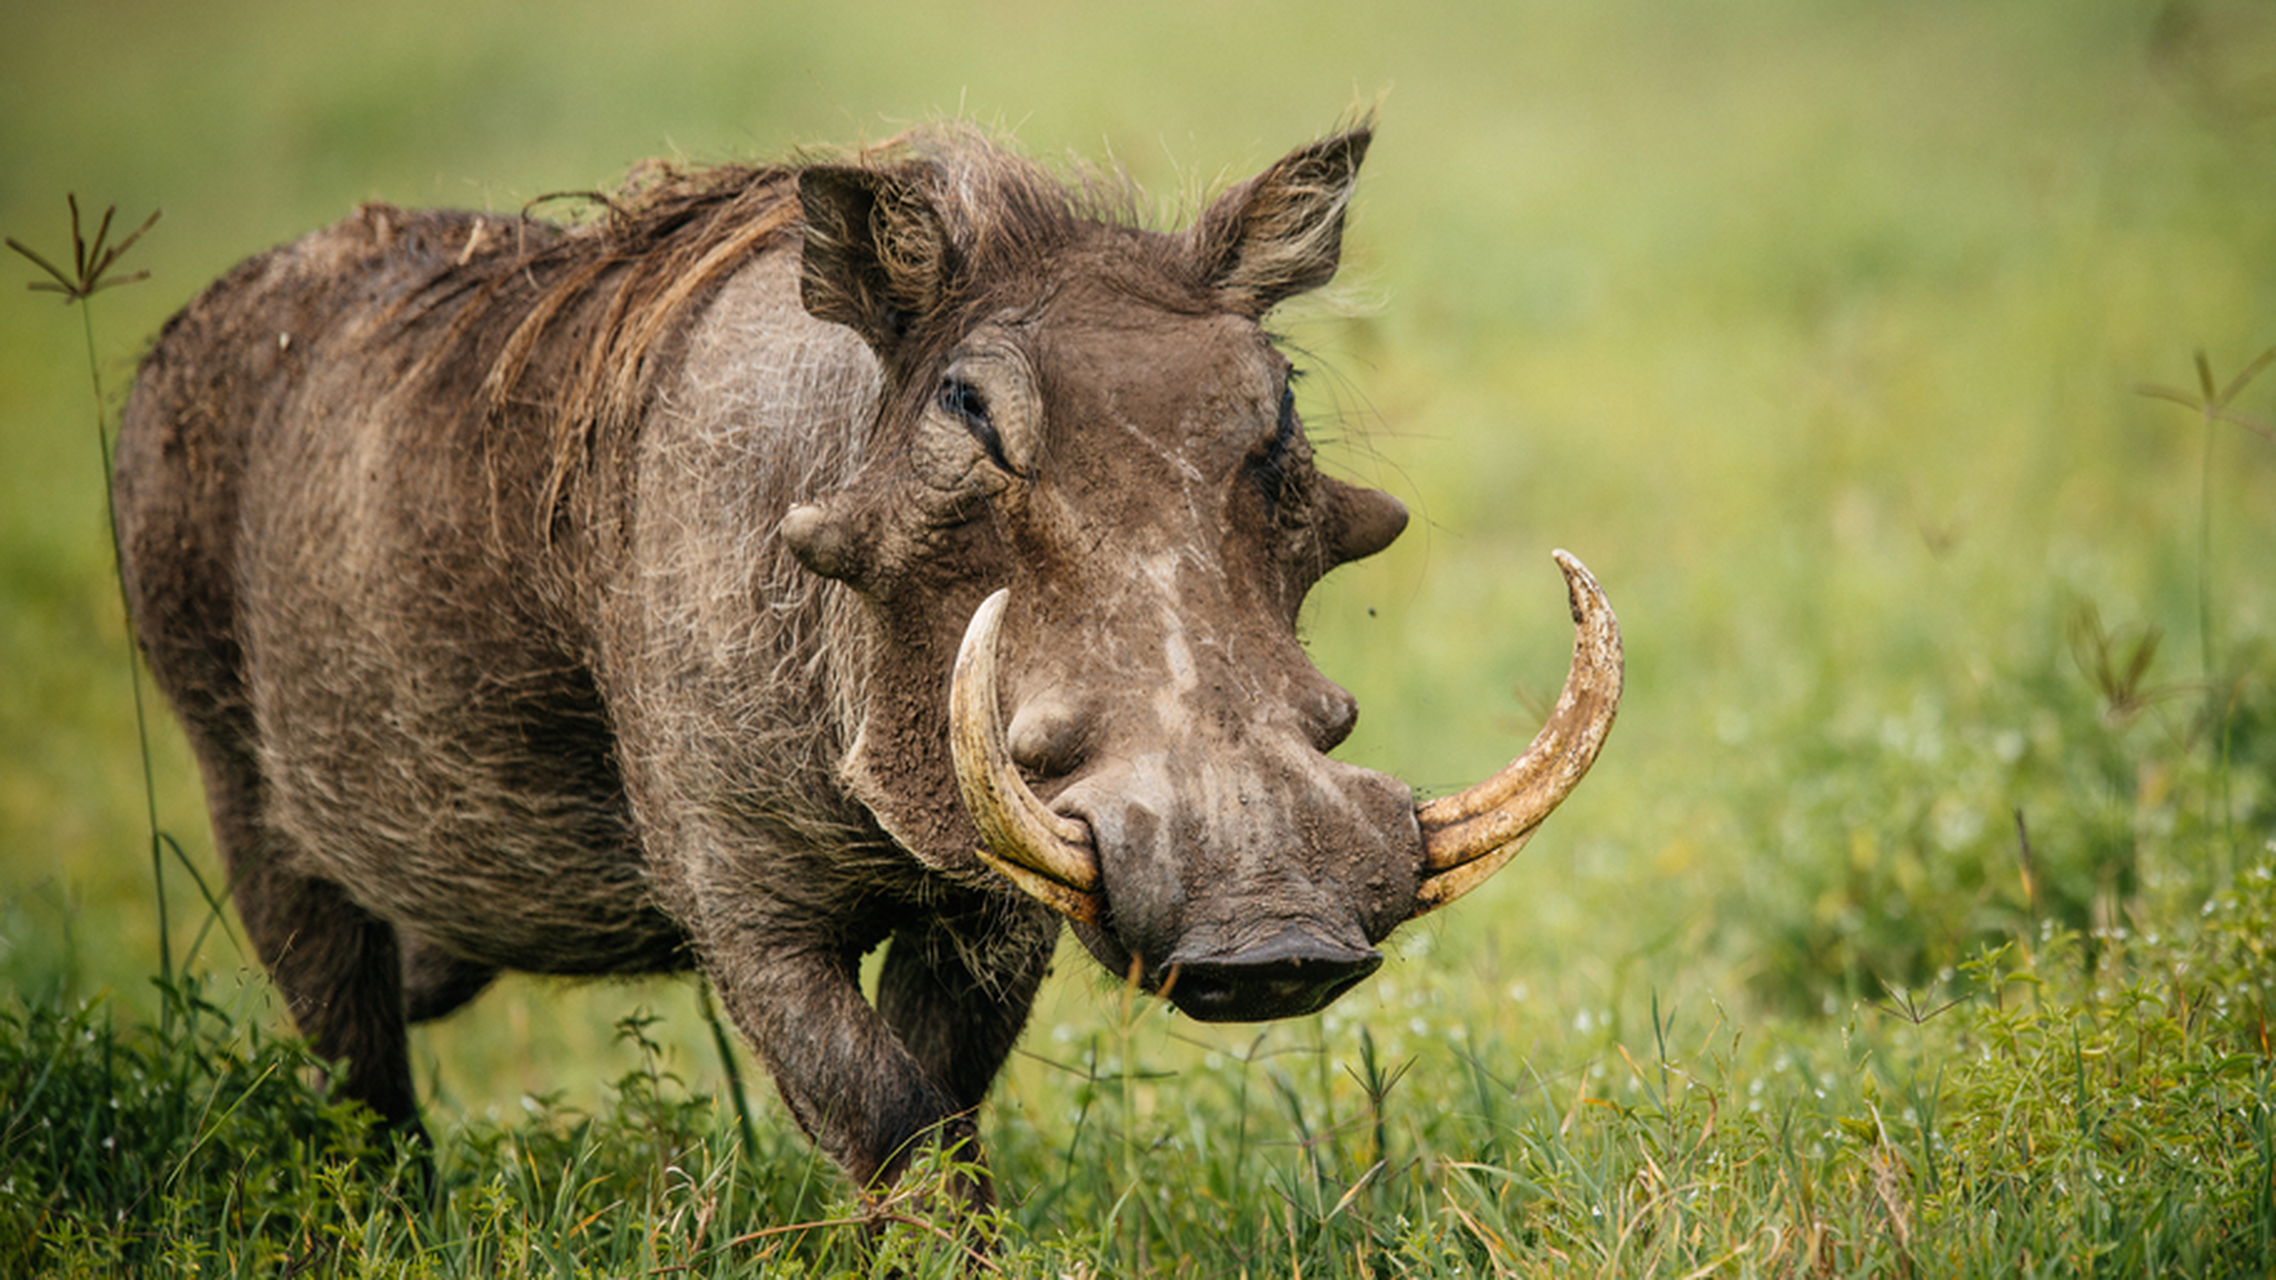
[1244, 888]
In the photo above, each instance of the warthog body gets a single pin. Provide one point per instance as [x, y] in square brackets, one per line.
[585, 600]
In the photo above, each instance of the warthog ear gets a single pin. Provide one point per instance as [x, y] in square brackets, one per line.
[876, 254]
[1360, 522]
[1281, 232]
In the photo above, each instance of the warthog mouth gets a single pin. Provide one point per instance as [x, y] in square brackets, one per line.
[1293, 974]
[1466, 837]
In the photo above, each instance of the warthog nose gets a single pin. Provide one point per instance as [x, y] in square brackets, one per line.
[1293, 974]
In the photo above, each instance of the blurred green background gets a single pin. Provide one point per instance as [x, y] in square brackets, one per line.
[1814, 328]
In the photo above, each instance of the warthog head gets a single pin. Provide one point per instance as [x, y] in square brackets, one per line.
[1090, 468]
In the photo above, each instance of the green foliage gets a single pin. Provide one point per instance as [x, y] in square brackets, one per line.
[2066, 1118]
[200, 1142]
[2116, 1116]
[148, 1146]
[1890, 848]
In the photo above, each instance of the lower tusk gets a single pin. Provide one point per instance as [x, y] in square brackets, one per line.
[1445, 886]
[1083, 905]
[1472, 834]
[1047, 855]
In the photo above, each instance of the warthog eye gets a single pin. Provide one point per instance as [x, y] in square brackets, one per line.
[962, 401]
[1269, 468]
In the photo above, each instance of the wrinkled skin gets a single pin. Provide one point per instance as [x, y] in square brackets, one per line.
[487, 669]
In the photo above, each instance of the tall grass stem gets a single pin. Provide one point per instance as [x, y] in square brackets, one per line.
[133, 668]
[90, 274]
[2216, 796]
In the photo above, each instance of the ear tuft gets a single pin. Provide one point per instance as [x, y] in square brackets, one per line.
[1281, 233]
[876, 257]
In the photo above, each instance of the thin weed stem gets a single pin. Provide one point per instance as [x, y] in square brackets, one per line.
[158, 839]
[2214, 404]
[91, 263]
[2219, 794]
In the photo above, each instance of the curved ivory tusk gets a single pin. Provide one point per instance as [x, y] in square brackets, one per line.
[1045, 854]
[1470, 835]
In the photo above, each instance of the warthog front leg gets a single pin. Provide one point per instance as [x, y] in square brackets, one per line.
[957, 993]
[851, 1084]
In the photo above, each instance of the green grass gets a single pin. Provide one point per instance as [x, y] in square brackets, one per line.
[1917, 920]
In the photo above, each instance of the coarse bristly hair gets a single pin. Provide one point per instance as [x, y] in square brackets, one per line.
[599, 304]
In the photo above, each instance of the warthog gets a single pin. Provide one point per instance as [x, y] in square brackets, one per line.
[786, 562]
